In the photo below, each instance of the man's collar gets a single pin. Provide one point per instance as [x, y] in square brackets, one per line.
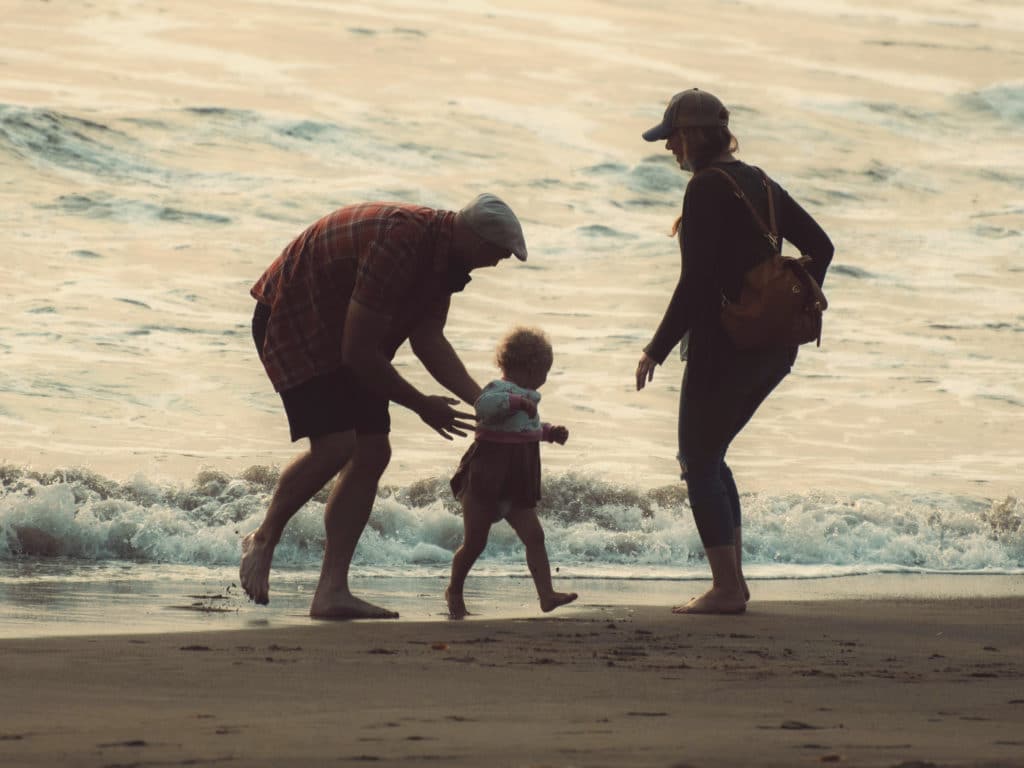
[458, 274]
[447, 260]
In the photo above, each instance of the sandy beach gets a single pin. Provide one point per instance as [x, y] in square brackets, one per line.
[847, 682]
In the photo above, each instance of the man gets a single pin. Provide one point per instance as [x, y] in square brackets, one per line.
[331, 312]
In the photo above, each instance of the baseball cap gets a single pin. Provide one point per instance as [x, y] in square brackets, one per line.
[490, 217]
[689, 109]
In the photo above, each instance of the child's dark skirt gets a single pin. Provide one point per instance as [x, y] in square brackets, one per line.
[500, 472]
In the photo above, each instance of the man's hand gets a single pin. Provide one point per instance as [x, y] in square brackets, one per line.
[438, 413]
[644, 371]
[559, 435]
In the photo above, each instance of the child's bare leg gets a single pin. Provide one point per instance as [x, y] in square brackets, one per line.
[476, 525]
[527, 526]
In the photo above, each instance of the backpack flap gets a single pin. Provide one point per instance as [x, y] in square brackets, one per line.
[780, 303]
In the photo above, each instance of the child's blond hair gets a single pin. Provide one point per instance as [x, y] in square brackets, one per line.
[524, 349]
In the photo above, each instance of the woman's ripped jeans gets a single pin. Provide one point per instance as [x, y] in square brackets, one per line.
[707, 425]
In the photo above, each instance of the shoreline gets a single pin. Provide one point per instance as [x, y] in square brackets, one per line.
[157, 600]
[847, 681]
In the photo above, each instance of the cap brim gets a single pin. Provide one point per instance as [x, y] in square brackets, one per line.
[520, 256]
[660, 132]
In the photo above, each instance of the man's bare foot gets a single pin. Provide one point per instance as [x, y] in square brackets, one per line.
[548, 603]
[254, 571]
[456, 605]
[715, 601]
[347, 607]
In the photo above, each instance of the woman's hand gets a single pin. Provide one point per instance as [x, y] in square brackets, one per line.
[644, 371]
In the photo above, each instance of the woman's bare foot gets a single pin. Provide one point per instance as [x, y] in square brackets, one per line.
[254, 570]
[548, 603]
[347, 607]
[456, 605]
[715, 601]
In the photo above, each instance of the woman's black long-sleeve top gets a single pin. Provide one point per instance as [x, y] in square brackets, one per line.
[719, 241]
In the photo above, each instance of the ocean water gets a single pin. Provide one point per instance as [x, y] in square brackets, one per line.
[154, 160]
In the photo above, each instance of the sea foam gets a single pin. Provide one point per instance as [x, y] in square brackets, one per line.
[592, 526]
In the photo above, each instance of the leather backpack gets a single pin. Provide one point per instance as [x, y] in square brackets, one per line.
[780, 303]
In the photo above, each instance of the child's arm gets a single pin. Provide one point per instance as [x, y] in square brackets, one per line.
[497, 405]
[520, 403]
[554, 434]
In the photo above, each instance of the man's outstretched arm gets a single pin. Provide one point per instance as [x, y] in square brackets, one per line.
[361, 351]
[433, 349]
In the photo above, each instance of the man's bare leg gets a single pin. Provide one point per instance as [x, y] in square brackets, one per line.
[299, 482]
[345, 516]
[476, 527]
[726, 593]
[527, 526]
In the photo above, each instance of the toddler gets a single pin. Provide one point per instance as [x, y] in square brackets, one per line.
[499, 476]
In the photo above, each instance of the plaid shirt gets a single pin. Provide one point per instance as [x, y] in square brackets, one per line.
[392, 258]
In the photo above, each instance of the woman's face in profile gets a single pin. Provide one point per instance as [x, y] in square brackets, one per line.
[676, 144]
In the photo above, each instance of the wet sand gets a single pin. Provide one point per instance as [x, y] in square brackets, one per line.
[896, 682]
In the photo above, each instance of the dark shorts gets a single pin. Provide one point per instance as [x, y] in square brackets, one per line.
[331, 402]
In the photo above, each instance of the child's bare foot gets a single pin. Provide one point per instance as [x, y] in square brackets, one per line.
[715, 601]
[548, 603]
[456, 605]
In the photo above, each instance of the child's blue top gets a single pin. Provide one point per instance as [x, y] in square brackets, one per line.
[502, 417]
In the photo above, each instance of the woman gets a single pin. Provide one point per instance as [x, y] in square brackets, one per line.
[722, 387]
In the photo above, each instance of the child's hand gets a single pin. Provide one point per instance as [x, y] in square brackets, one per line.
[559, 435]
[524, 404]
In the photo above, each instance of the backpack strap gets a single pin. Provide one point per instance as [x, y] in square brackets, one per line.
[769, 230]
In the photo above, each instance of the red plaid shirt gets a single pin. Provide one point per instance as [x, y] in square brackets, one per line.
[392, 258]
